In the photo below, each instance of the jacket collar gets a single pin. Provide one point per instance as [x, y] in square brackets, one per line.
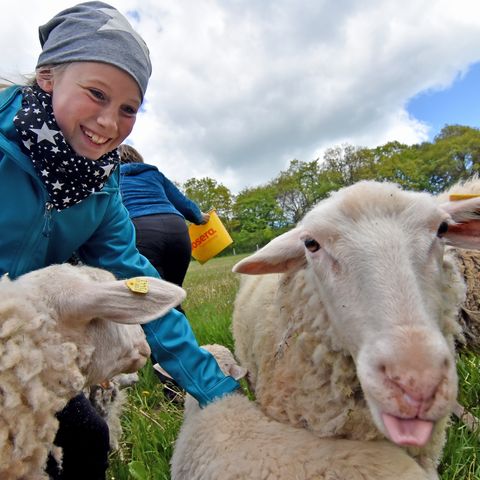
[10, 104]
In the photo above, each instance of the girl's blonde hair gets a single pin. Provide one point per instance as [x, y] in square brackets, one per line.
[31, 79]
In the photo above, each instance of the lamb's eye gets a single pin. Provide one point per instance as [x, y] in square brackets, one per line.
[312, 245]
[442, 229]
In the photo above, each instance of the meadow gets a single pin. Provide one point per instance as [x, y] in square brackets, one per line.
[151, 419]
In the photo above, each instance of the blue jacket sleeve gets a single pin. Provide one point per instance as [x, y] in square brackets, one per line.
[188, 208]
[170, 337]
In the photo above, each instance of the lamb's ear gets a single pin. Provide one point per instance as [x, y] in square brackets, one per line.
[465, 232]
[283, 253]
[117, 302]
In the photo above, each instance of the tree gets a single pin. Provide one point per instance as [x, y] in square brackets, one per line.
[300, 187]
[454, 155]
[257, 209]
[207, 193]
[257, 218]
[347, 164]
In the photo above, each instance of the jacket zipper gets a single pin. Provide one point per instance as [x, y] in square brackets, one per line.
[47, 225]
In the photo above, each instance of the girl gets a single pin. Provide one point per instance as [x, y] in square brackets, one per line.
[59, 188]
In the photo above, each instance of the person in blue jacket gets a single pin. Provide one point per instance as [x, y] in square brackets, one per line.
[60, 194]
[158, 210]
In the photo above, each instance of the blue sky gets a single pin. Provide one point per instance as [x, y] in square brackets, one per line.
[459, 104]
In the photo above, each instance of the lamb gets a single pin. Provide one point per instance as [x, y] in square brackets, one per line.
[109, 400]
[63, 328]
[232, 439]
[349, 329]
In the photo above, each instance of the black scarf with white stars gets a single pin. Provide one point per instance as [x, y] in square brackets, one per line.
[68, 177]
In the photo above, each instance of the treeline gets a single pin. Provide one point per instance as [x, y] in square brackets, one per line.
[258, 214]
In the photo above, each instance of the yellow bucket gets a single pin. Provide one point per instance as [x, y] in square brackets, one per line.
[210, 239]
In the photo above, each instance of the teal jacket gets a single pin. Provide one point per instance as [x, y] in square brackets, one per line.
[34, 235]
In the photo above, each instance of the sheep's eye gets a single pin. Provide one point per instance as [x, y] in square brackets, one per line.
[443, 228]
[312, 245]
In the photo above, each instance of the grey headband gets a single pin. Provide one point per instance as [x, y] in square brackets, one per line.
[95, 32]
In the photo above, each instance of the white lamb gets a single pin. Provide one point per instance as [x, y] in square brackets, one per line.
[351, 335]
[63, 328]
[232, 439]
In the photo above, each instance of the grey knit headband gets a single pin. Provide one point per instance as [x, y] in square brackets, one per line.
[95, 32]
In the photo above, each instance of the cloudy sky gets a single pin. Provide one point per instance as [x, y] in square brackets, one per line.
[241, 87]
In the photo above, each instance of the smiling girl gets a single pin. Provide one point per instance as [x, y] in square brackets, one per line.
[59, 195]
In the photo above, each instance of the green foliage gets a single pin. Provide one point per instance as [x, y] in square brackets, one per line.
[431, 167]
[300, 187]
[257, 218]
[207, 194]
[347, 164]
[256, 209]
[461, 456]
[246, 241]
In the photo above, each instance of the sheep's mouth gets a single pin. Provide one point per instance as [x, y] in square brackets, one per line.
[407, 431]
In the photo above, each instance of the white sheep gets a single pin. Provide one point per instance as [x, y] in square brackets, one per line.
[63, 328]
[232, 439]
[349, 329]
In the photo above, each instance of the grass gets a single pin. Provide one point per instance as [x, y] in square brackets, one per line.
[151, 421]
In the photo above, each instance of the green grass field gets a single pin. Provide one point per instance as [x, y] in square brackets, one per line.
[151, 421]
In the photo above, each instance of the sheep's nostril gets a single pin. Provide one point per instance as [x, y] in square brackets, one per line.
[411, 401]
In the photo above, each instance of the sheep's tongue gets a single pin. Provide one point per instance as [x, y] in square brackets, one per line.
[411, 431]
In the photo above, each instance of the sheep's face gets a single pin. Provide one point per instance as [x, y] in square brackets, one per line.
[373, 255]
[99, 314]
[122, 348]
[379, 274]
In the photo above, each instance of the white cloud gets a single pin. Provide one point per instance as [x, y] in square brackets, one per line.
[240, 88]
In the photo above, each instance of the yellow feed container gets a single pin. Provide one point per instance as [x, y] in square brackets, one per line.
[210, 239]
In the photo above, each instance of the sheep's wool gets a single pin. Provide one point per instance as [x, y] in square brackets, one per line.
[33, 362]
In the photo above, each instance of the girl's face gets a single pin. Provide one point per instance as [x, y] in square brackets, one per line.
[95, 105]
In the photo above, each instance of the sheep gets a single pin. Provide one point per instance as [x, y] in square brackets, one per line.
[232, 439]
[468, 262]
[63, 328]
[109, 399]
[349, 329]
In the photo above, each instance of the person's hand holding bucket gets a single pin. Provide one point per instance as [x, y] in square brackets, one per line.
[209, 239]
[205, 218]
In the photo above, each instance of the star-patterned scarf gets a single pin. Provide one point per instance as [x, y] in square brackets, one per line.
[69, 178]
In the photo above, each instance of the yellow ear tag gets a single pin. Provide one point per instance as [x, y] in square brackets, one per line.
[455, 197]
[137, 285]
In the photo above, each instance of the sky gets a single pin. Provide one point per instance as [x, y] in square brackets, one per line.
[241, 87]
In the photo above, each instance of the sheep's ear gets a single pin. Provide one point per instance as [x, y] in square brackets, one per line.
[283, 253]
[465, 232]
[117, 302]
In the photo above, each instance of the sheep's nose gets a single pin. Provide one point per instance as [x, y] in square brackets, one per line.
[416, 386]
[416, 393]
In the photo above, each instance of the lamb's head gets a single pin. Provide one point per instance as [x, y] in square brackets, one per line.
[373, 257]
[99, 314]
